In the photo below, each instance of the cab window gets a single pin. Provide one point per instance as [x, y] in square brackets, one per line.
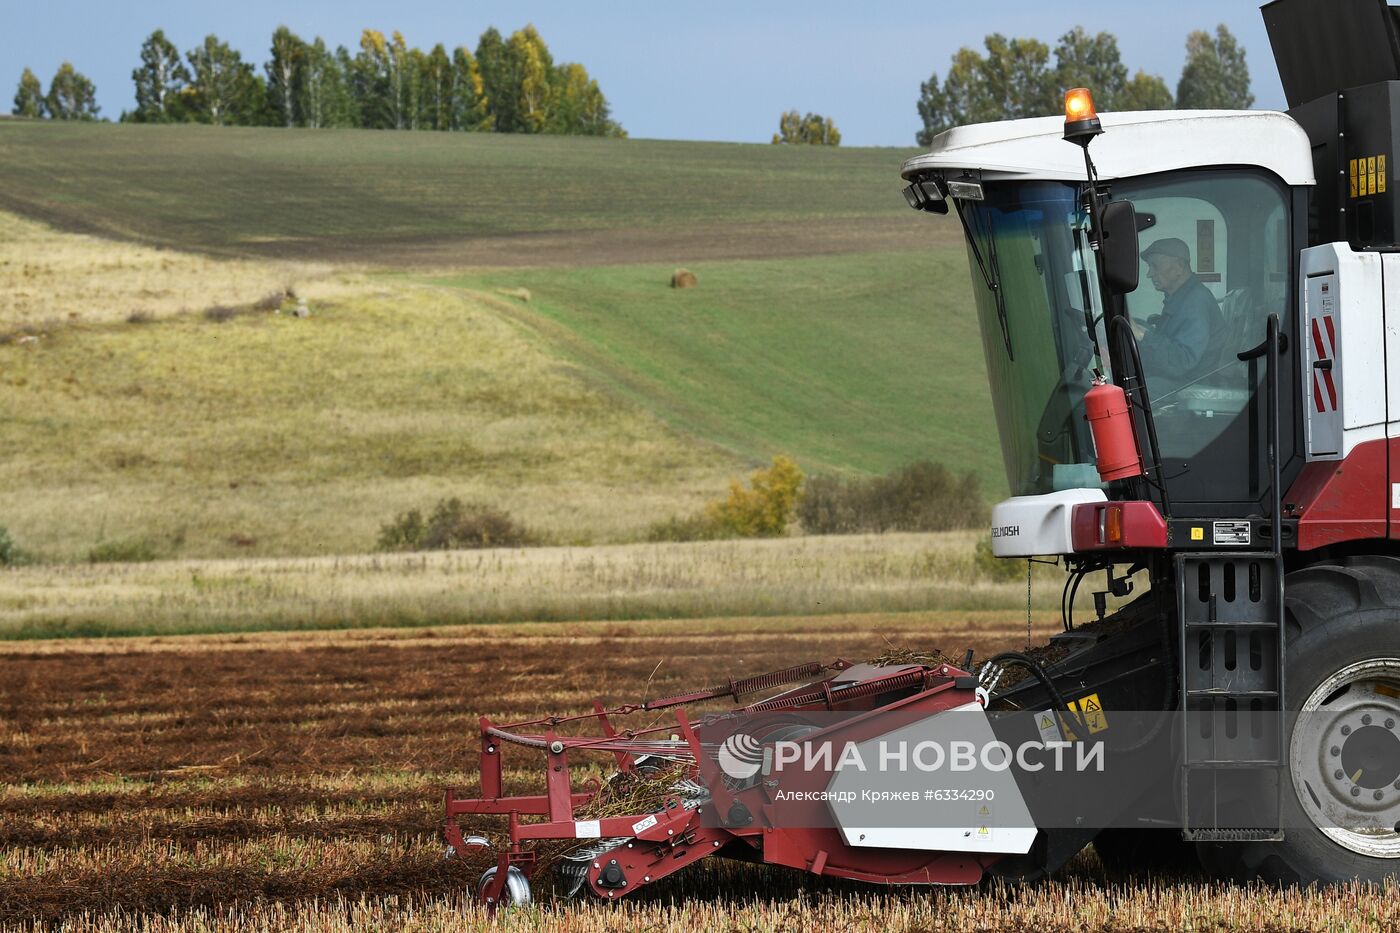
[1214, 254]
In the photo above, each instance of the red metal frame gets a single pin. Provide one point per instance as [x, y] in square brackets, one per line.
[1342, 500]
[662, 842]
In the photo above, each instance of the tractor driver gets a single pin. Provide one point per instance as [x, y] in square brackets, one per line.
[1176, 345]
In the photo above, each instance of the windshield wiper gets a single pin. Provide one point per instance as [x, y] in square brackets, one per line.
[992, 279]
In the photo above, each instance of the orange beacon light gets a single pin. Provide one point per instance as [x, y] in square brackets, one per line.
[1081, 119]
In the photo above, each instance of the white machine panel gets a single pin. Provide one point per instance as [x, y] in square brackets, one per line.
[1004, 824]
[1322, 371]
[1343, 351]
[1038, 526]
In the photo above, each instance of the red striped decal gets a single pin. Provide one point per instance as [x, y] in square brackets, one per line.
[1331, 387]
[1324, 351]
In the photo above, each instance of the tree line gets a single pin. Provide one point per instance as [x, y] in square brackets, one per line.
[1016, 78]
[71, 96]
[513, 85]
[507, 85]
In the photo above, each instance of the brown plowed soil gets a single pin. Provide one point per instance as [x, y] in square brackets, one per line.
[171, 773]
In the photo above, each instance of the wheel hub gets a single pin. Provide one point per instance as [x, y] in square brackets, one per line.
[1371, 757]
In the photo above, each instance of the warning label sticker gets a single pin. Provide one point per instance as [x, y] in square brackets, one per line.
[983, 832]
[1366, 176]
[1049, 728]
[1092, 712]
[647, 823]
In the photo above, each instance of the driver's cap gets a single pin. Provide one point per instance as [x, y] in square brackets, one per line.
[1171, 246]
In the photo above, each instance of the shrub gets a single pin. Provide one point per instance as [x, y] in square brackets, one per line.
[124, 551]
[10, 554]
[765, 508]
[454, 524]
[997, 569]
[220, 313]
[922, 496]
[404, 533]
[676, 528]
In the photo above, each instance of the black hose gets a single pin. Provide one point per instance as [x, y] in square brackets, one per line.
[1032, 665]
[1067, 615]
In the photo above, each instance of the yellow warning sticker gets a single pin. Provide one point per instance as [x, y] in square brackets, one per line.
[1091, 709]
[1198, 533]
[1366, 176]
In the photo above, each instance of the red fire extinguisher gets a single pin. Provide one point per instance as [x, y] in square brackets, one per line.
[1111, 422]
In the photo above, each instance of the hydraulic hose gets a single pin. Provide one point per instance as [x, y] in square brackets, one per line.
[1038, 672]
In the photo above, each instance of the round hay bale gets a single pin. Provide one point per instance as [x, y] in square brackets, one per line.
[684, 278]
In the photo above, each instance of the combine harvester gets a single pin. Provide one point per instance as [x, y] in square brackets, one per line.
[1228, 441]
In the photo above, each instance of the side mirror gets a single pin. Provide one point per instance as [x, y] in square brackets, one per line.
[1118, 244]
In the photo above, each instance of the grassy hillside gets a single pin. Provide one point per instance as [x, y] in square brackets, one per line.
[605, 403]
[394, 199]
[51, 279]
[270, 434]
[857, 363]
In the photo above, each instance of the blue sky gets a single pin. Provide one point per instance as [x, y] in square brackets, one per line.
[718, 70]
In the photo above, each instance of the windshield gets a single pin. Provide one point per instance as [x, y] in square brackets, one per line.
[1214, 252]
[1036, 290]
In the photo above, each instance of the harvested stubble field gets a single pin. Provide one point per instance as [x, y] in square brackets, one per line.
[293, 781]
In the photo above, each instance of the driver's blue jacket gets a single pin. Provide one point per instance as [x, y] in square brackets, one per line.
[1177, 345]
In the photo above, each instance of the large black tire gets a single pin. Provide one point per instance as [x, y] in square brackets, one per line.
[1337, 615]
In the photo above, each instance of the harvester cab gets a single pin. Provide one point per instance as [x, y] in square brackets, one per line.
[1188, 319]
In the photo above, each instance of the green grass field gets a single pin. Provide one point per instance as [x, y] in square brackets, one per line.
[424, 199]
[859, 362]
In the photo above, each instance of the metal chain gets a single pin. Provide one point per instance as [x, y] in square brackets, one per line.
[1028, 602]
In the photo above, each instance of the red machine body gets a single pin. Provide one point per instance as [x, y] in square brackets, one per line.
[1110, 419]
